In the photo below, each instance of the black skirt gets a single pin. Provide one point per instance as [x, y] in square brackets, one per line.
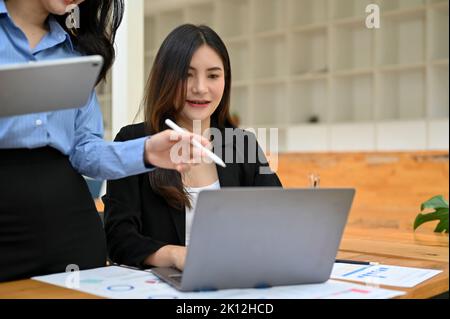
[48, 219]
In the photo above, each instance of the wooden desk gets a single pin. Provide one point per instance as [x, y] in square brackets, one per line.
[423, 249]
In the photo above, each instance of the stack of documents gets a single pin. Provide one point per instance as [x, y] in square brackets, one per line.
[124, 283]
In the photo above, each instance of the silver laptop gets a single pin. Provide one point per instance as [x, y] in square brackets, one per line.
[262, 237]
[47, 85]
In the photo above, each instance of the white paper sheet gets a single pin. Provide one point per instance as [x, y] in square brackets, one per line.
[383, 274]
[123, 283]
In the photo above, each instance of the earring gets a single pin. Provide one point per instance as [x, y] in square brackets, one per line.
[71, 22]
[73, 29]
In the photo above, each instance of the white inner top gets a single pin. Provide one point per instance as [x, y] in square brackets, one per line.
[194, 191]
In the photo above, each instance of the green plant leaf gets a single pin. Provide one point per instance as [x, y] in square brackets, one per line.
[440, 214]
[440, 205]
[435, 203]
[442, 226]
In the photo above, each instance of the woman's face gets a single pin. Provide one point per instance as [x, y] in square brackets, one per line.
[205, 86]
[59, 7]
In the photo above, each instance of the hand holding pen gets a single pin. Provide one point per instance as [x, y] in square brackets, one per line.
[197, 144]
[158, 149]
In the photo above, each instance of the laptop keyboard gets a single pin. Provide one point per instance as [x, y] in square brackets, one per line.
[176, 278]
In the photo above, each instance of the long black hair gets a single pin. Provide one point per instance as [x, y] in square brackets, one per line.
[99, 21]
[166, 93]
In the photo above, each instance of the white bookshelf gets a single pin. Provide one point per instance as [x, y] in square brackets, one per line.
[312, 68]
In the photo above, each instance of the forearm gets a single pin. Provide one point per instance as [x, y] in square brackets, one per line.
[92, 156]
[166, 256]
[109, 160]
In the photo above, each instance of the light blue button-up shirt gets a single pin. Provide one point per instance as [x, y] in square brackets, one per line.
[77, 133]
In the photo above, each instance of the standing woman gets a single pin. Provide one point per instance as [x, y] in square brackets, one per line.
[48, 219]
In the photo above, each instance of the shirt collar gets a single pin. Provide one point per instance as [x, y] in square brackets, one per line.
[57, 31]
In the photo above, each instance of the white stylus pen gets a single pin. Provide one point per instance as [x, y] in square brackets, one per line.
[196, 143]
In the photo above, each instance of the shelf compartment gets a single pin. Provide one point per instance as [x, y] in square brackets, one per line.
[240, 104]
[239, 57]
[270, 57]
[316, 141]
[401, 135]
[201, 14]
[309, 52]
[342, 9]
[167, 21]
[307, 12]
[354, 45]
[149, 34]
[352, 99]
[270, 105]
[401, 40]
[148, 64]
[352, 137]
[402, 95]
[394, 5]
[282, 146]
[104, 87]
[233, 20]
[269, 15]
[438, 134]
[438, 34]
[105, 103]
[308, 102]
[437, 2]
[439, 103]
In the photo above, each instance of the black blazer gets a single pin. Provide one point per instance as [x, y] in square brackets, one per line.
[138, 221]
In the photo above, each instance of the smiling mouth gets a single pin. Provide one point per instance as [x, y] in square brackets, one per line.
[198, 103]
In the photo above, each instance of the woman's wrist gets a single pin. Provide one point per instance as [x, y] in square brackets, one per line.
[147, 162]
[166, 256]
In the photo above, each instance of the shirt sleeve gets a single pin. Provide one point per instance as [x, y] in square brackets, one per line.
[92, 156]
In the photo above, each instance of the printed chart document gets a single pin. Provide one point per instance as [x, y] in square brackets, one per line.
[124, 283]
[383, 274]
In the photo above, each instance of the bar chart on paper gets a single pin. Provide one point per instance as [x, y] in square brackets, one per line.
[383, 274]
